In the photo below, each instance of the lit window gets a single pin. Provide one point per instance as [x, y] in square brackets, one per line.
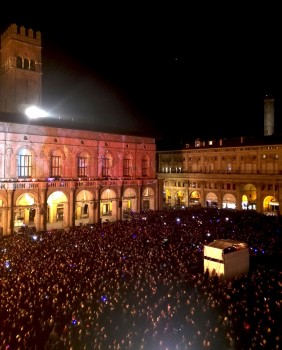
[82, 166]
[56, 166]
[24, 163]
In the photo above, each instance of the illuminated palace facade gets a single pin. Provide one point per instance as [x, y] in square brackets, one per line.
[57, 178]
[52, 177]
[243, 174]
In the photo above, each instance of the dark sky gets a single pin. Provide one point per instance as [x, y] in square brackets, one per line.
[156, 70]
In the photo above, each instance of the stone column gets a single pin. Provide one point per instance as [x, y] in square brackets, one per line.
[10, 205]
[72, 205]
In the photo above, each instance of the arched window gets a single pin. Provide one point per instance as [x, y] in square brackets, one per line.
[26, 63]
[24, 163]
[32, 65]
[19, 62]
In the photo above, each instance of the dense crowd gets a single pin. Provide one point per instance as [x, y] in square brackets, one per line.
[141, 284]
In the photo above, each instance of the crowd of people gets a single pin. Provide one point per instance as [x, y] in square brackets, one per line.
[141, 284]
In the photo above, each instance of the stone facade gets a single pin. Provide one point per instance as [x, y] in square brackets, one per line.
[241, 173]
[57, 178]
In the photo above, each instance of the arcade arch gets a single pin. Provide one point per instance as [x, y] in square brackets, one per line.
[180, 198]
[57, 210]
[270, 204]
[194, 198]
[25, 212]
[84, 208]
[249, 197]
[211, 200]
[129, 202]
[108, 205]
[148, 200]
[229, 201]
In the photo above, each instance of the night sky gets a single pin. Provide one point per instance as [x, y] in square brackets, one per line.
[158, 71]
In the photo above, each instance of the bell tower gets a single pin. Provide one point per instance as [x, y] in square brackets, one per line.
[21, 69]
[268, 116]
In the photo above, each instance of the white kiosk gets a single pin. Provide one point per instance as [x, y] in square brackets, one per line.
[226, 258]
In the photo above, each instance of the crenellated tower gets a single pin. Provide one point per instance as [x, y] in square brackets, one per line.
[21, 69]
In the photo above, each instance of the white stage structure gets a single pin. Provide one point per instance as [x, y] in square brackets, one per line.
[226, 258]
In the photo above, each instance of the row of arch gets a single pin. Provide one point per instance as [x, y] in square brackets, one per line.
[247, 201]
[25, 63]
[59, 212]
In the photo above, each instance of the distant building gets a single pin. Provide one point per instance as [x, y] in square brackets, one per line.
[53, 176]
[242, 173]
[268, 116]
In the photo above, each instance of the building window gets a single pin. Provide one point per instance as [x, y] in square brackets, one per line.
[82, 166]
[145, 167]
[32, 65]
[26, 63]
[24, 163]
[126, 167]
[19, 62]
[106, 166]
[56, 166]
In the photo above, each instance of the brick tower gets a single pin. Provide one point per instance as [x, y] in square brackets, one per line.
[268, 116]
[21, 69]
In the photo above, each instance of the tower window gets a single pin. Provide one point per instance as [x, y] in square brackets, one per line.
[19, 62]
[26, 63]
[32, 65]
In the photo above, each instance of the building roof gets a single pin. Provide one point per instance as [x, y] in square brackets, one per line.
[20, 122]
[202, 144]
[228, 244]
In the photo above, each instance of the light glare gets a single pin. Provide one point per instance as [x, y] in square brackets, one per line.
[34, 112]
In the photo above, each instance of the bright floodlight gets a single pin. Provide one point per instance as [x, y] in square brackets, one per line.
[34, 112]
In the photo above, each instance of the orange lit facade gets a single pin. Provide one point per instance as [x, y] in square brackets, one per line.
[53, 178]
